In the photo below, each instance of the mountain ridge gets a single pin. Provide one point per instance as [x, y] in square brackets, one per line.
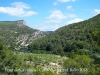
[17, 34]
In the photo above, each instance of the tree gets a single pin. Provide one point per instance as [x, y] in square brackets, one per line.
[81, 52]
[58, 50]
[8, 60]
[79, 64]
[49, 47]
[79, 44]
[68, 47]
[2, 45]
[96, 35]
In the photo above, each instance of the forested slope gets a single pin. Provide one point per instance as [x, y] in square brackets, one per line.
[70, 38]
[17, 34]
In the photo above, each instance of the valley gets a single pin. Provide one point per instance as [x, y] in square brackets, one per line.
[70, 50]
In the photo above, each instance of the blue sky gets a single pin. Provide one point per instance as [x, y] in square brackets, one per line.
[48, 15]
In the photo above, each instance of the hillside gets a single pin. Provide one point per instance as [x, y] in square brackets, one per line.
[17, 34]
[70, 38]
[48, 32]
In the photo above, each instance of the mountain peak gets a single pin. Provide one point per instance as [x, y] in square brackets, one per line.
[21, 23]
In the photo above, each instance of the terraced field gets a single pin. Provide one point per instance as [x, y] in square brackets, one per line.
[48, 62]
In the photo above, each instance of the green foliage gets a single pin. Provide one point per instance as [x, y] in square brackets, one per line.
[15, 34]
[49, 47]
[96, 49]
[78, 41]
[96, 35]
[8, 60]
[2, 46]
[58, 50]
[71, 37]
[82, 52]
[79, 45]
[81, 65]
[83, 60]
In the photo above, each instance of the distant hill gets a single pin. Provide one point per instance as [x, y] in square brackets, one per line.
[69, 38]
[48, 32]
[17, 34]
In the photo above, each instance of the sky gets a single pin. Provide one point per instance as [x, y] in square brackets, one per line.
[48, 15]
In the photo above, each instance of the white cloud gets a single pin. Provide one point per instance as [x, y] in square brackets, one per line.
[74, 21]
[56, 19]
[56, 16]
[53, 21]
[69, 8]
[49, 21]
[47, 27]
[20, 5]
[63, 0]
[55, 3]
[18, 9]
[96, 11]
[66, 0]
[71, 15]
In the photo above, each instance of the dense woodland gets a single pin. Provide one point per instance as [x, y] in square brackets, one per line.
[70, 38]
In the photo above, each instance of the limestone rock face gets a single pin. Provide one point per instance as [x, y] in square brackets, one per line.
[17, 34]
[21, 23]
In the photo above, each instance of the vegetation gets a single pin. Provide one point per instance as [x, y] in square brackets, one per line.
[69, 38]
[81, 65]
[80, 42]
[96, 35]
[18, 63]
[70, 50]
[17, 35]
[8, 60]
[24, 63]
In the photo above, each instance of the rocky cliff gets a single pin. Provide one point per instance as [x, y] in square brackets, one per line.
[17, 34]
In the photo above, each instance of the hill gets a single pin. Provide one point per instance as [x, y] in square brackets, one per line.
[48, 32]
[70, 38]
[17, 34]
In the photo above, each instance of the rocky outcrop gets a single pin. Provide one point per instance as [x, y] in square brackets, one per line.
[21, 23]
[17, 34]
[25, 40]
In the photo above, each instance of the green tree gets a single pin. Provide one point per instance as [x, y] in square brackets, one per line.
[79, 64]
[96, 35]
[2, 45]
[58, 50]
[8, 60]
[49, 47]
